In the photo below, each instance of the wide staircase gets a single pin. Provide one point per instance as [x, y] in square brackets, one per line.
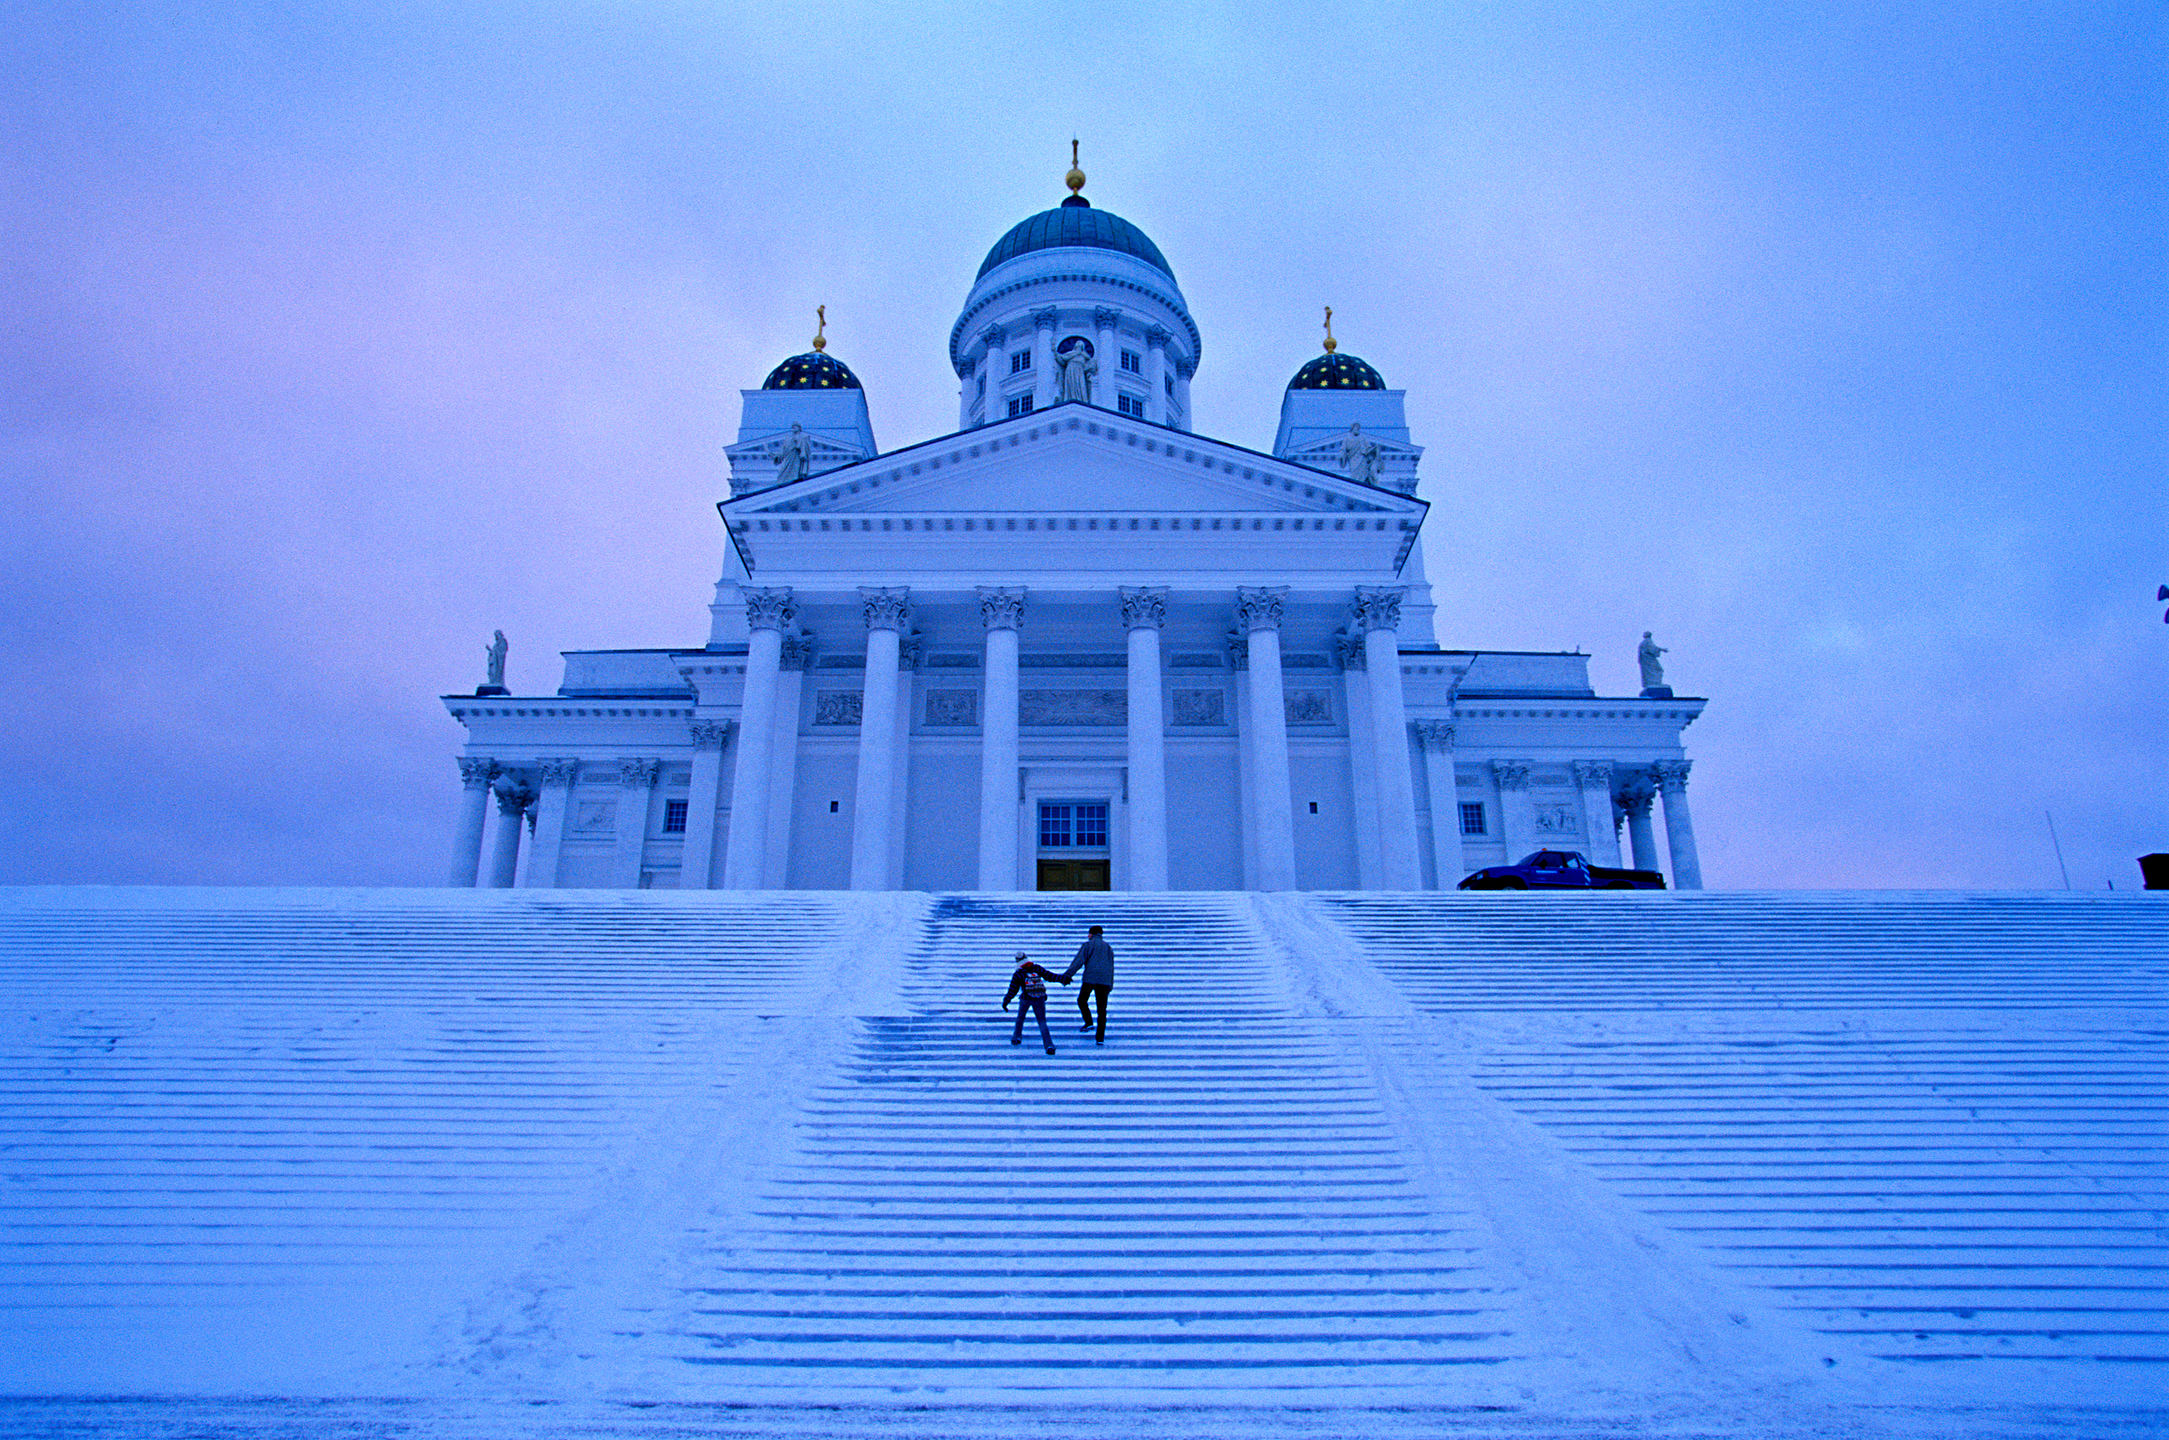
[542, 1163]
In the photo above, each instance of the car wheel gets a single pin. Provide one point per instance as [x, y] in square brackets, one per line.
[1615, 885]
[1513, 882]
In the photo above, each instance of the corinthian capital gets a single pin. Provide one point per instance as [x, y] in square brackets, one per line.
[886, 609]
[797, 651]
[1043, 319]
[476, 771]
[1379, 608]
[769, 609]
[710, 734]
[1238, 649]
[514, 795]
[1593, 775]
[1511, 774]
[1348, 649]
[1105, 318]
[555, 774]
[1437, 735]
[638, 774]
[1000, 608]
[1144, 607]
[1257, 607]
[1671, 775]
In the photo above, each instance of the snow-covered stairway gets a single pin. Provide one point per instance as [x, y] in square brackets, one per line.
[1934, 1125]
[260, 1135]
[1213, 1202]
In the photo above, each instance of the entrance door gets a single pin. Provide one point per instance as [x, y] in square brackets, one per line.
[1073, 845]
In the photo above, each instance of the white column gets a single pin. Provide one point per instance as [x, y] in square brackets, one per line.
[1042, 359]
[1002, 610]
[1362, 774]
[1182, 396]
[873, 816]
[907, 666]
[1679, 826]
[514, 795]
[1156, 399]
[1144, 611]
[1246, 756]
[704, 797]
[1378, 614]
[636, 788]
[993, 368]
[1594, 779]
[1437, 737]
[1258, 614]
[555, 778]
[1517, 814]
[1108, 357]
[1635, 799]
[745, 857]
[783, 759]
[475, 775]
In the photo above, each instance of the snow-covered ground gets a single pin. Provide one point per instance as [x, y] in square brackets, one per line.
[480, 1163]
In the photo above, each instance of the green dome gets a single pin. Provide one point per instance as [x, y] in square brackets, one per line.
[1336, 372]
[811, 371]
[1075, 222]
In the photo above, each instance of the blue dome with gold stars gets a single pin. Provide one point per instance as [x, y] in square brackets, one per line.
[812, 371]
[1334, 371]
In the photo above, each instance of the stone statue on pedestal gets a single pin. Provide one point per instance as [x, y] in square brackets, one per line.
[495, 684]
[794, 452]
[1653, 686]
[1077, 371]
[1359, 455]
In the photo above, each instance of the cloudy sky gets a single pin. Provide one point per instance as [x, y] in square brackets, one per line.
[1827, 341]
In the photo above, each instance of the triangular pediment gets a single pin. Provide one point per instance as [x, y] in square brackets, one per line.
[1074, 460]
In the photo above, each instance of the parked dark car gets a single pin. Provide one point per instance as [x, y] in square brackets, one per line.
[1560, 870]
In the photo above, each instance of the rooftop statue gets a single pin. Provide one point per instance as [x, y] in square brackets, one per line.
[1078, 371]
[495, 650]
[1652, 668]
[1359, 455]
[794, 452]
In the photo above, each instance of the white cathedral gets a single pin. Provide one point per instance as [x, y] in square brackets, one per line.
[1072, 646]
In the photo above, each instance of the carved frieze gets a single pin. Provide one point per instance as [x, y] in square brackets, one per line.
[591, 817]
[838, 707]
[1073, 707]
[952, 707]
[1201, 707]
[1310, 707]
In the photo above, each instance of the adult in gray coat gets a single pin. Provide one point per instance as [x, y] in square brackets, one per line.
[1098, 964]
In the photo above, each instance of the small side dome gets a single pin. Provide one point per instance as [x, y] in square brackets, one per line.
[812, 371]
[1333, 371]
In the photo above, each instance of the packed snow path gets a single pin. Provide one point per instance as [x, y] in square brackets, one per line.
[1509, 1164]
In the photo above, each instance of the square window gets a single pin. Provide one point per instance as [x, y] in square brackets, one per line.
[1055, 827]
[1022, 405]
[673, 817]
[1133, 362]
[1472, 817]
[1091, 824]
[1022, 360]
[1130, 405]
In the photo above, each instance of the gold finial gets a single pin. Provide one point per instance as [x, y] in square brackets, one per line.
[820, 336]
[1331, 344]
[1075, 176]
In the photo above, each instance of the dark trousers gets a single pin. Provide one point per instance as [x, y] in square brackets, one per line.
[1037, 1004]
[1085, 996]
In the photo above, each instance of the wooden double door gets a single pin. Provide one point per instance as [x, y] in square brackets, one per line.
[1073, 875]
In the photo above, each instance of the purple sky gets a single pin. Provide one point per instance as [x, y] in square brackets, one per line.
[1830, 344]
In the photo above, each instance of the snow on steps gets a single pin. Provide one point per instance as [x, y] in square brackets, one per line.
[713, 1146]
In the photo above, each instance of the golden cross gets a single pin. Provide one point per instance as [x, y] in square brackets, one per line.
[820, 339]
[1329, 341]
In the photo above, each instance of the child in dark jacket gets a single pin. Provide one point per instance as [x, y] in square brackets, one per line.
[1030, 982]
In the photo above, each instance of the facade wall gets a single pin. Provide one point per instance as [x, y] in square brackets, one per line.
[1204, 816]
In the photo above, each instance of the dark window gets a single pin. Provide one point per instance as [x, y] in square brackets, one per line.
[673, 817]
[1133, 362]
[834, 806]
[1131, 405]
[1064, 826]
[1022, 360]
[1313, 807]
[1472, 817]
[1022, 405]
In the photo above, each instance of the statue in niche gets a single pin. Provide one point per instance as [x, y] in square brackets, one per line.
[1078, 370]
[794, 452]
[1359, 455]
[1652, 669]
[496, 649]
